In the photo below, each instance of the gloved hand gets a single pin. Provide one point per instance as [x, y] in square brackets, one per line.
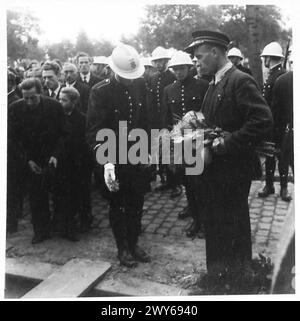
[109, 176]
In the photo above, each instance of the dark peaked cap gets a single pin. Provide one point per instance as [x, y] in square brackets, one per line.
[207, 36]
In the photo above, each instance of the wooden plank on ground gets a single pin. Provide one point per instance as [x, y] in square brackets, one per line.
[132, 286]
[73, 279]
[37, 271]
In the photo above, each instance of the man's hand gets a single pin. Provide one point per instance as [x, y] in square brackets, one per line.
[218, 146]
[34, 167]
[53, 161]
[109, 175]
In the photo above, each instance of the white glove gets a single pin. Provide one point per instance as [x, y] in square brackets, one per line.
[109, 175]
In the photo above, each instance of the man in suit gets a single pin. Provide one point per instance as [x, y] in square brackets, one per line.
[71, 78]
[122, 98]
[85, 76]
[160, 58]
[36, 124]
[272, 55]
[50, 75]
[233, 103]
[184, 95]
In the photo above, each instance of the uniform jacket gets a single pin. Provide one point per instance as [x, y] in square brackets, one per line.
[244, 69]
[282, 104]
[111, 102]
[157, 84]
[181, 97]
[236, 105]
[270, 81]
[40, 133]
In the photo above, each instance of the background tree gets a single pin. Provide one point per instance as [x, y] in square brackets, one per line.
[22, 36]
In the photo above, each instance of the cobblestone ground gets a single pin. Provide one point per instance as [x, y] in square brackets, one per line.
[176, 259]
[267, 216]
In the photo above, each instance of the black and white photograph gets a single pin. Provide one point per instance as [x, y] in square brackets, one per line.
[148, 151]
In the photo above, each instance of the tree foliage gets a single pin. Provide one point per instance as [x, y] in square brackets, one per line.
[22, 36]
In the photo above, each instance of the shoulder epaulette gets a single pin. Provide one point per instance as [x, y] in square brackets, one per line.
[102, 83]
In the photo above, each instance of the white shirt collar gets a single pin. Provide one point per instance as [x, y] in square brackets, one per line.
[56, 91]
[221, 73]
[87, 76]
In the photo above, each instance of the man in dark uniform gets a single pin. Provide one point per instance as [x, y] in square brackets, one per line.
[37, 124]
[184, 95]
[78, 167]
[236, 57]
[85, 76]
[122, 98]
[70, 72]
[282, 107]
[157, 83]
[272, 55]
[233, 103]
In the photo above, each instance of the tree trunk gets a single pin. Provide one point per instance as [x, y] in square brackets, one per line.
[252, 13]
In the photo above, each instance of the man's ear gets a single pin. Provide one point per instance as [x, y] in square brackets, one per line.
[214, 51]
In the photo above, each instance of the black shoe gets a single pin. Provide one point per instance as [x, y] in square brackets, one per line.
[194, 230]
[285, 195]
[184, 214]
[140, 255]
[126, 259]
[266, 191]
[176, 191]
[37, 239]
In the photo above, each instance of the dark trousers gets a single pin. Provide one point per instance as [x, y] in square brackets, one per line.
[192, 195]
[73, 196]
[283, 167]
[125, 209]
[39, 204]
[227, 224]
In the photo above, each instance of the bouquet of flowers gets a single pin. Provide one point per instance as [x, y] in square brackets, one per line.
[193, 129]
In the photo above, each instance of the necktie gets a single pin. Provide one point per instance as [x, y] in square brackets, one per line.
[84, 80]
[53, 94]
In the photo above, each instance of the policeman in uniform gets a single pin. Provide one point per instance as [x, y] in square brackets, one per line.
[233, 102]
[184, 95]
[272, 55]
[164, 77]
[236, 57]
[122, 98]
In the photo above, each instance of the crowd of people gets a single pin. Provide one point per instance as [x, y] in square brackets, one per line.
[55, 110]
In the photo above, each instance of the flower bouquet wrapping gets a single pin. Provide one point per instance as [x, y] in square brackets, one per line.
[191, 129]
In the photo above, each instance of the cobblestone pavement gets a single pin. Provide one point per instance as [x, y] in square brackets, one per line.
[160, 217]
[176, 259]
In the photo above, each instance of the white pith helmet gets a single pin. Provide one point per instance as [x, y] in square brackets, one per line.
[235, 52]
[125, 62]
[180, 58]
[272, 49]
[100, 60]
[146, 61]
[160, 53]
